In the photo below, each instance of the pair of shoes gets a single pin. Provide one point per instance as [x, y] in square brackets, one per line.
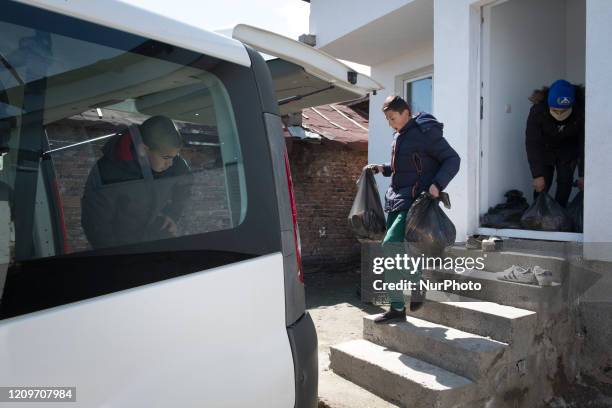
[517, 273]
[391, 315]
[417, 297]
[543, 276]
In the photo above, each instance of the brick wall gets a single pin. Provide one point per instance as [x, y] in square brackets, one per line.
[324, 177]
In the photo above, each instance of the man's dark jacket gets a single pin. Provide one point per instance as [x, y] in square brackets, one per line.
[123, 204]
[418, 145]
[548, 141]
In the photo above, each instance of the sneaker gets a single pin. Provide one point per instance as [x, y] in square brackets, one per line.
[492, 244]
[543, 276]
[417, 298]
[474, 242]
[391, 315]
[517, 273]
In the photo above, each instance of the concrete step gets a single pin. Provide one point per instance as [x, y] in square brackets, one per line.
[469, 355]
[519, 295]
[497, 261]
[507, 324]
[400, 378]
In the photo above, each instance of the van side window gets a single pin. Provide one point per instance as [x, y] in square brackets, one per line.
[145, 151]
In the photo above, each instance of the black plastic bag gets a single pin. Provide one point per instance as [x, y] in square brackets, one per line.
[366, 217]
[428, 229]
[575, 211]
[545, 214]
[508, 214]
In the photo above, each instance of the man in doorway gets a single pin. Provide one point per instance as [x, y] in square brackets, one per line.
[555, 138]
[421, 160]
[137, 191]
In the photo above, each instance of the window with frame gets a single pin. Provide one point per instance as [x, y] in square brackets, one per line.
[416, 88]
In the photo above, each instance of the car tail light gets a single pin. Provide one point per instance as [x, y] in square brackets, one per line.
[296, 231]
[61, 218]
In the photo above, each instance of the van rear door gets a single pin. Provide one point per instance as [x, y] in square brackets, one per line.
[304, 76]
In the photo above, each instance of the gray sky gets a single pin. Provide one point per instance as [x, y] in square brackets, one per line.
[286, 17]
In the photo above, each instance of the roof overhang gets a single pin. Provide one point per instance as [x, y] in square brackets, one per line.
[405, 28]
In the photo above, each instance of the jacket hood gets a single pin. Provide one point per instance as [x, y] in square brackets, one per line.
[426, 121]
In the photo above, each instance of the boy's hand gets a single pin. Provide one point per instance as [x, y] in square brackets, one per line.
[433, 190]
[581, 183]
[539, 184]
[169, 225]
[374, 168]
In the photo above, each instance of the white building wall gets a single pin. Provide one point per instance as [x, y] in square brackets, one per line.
[575, 40]
[380, 134]
[330, 20]
[454, 84]
[598, 143]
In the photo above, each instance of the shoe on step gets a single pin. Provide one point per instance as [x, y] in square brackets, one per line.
[517, 273]
[417, 297]
[543, 276]
[391, 315]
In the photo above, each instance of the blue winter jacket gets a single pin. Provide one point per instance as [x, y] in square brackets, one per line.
[422, 158]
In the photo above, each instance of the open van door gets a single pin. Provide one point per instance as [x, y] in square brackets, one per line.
[304, 76]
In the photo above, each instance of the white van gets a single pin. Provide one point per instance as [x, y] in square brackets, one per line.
[203, 305]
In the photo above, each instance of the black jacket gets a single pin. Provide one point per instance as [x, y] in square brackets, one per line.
[123, 204]
[422, 157]
[548, 140]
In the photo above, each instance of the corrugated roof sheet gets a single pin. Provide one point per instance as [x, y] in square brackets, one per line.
[334, 122]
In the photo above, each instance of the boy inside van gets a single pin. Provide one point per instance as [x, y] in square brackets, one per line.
[421, 160]
[138, 189]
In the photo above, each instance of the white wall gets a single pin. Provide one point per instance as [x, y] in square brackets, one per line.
[598, 144]
[380, 134]
[455, 88]
[575, 40]
[330, 20]
[520, 56]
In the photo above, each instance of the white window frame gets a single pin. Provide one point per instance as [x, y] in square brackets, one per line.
[402, 80]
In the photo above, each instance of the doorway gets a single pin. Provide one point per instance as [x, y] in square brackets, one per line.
[525, 45]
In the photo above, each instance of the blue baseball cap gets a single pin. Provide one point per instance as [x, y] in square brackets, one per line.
[561, 95]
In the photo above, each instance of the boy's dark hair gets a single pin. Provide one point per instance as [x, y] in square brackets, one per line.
[395, 103]
[159, 131]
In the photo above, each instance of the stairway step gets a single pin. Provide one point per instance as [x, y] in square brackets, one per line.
[466, 354]
[400, 378]
[519, 295]
[507, 324]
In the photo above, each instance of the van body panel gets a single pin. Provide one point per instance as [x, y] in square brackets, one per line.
[183, 342]
[135, 20]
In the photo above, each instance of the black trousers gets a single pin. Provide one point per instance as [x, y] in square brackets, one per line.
[565, 178]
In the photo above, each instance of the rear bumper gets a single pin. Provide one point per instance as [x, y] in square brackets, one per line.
[304, 347]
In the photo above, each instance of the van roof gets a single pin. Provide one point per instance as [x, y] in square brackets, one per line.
[135, 20]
